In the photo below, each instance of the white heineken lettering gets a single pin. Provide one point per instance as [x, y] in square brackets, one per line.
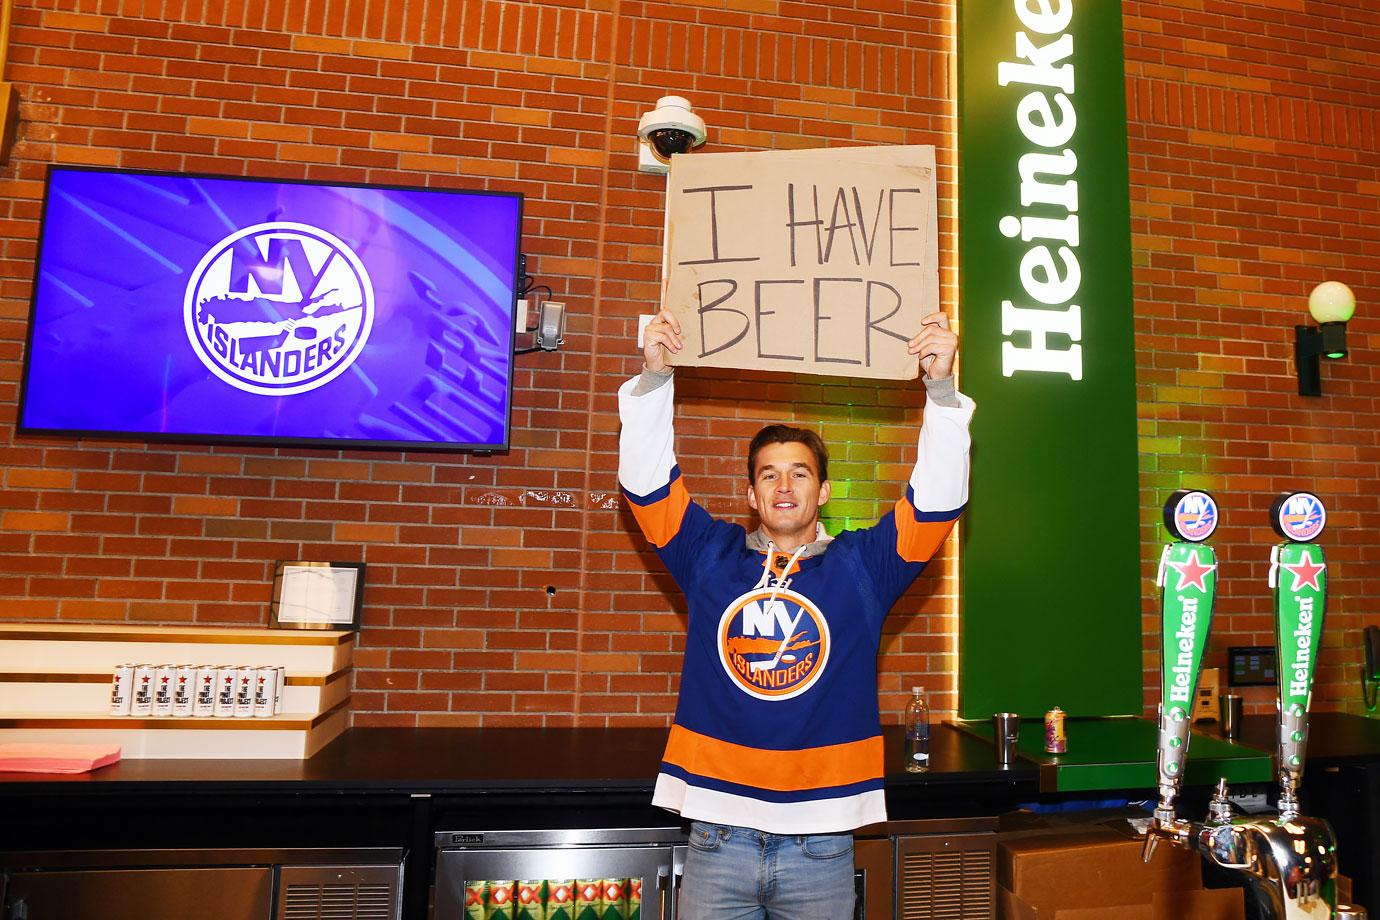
[1039, 69]
[1045, 339]
[1040, 325]
[1183, 668]
[1303, 653]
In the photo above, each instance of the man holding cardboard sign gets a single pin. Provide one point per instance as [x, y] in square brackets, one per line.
[776, 749]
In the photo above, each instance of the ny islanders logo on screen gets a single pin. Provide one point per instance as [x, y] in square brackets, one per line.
[279, 308]
[773, 649]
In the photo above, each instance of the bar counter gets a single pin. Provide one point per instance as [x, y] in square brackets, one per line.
[385, 787]
[440, 761]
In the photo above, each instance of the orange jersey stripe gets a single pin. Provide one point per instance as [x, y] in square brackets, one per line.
[918, 541]
[782, 771]
[661, 519]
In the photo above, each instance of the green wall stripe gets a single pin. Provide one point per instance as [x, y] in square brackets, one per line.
[1051, 574]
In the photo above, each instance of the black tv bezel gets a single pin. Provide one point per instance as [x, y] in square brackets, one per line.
[268, 440]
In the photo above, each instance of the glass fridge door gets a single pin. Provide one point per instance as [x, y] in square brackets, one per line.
[576, 883]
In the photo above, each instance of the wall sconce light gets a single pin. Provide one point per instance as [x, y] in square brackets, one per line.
[1331, 304]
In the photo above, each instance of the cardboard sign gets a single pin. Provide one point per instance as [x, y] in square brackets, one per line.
[809, 261]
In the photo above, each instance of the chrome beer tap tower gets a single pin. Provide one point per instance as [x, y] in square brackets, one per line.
[1289, 860]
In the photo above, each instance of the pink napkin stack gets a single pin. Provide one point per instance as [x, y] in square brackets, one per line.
[32, 757]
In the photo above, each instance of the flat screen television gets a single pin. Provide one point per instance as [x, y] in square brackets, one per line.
[239, 310]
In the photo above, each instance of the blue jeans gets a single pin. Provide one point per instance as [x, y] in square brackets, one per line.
[736, 873]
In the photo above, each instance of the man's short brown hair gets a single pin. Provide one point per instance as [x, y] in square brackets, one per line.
[785, 434]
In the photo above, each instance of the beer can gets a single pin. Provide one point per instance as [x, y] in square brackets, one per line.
[560, 899]
[204, 700]
[121, 690]
[184, 685]
[1056, 735]
[163, 677]
[143, 691]
[227, 678]
[527, 900]
[635, 898]
[265, 682]
[278, 690]
[615, 898]
[589, 899]
[476, 893]
[244, 692]
[501, 899]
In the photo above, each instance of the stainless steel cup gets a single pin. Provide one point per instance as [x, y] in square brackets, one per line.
[1232, 706]
[1006, 732]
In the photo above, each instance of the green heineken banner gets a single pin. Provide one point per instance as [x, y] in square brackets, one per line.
[1188, 576]
[1051, 575]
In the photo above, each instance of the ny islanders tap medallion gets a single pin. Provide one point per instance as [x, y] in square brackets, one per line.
[1298, 516]
[1191, 515]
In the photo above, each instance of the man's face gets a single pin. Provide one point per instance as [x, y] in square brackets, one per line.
[786, 492]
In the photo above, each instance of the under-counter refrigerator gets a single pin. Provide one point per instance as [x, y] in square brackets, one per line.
[609, 874]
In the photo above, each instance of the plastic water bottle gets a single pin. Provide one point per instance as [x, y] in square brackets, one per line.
[917, 732]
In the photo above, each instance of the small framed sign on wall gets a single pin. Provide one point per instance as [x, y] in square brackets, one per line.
[317, 595]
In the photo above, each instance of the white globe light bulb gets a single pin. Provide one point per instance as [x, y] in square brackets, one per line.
[1332, 302]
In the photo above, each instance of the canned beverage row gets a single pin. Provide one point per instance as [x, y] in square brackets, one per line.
[197, 691]
[554, 899]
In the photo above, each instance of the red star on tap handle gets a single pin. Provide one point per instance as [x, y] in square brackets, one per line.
[1192, 572]
[1306, 574]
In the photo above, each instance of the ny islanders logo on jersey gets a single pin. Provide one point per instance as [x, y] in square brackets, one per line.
[279, 308]
[773, 648]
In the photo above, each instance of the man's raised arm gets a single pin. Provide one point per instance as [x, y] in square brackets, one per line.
[647, 468]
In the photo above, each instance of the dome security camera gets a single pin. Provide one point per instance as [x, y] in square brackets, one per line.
[666, 130]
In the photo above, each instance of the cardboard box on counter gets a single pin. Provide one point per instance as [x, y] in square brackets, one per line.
[1095, 872]
[1202, 904]
[1097, 866]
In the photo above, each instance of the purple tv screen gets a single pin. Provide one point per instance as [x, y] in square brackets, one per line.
[198, 308]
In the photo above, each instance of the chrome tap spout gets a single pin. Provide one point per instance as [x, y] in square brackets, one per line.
[1290, 863]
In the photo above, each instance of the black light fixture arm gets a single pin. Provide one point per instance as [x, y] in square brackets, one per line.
[1311, 345]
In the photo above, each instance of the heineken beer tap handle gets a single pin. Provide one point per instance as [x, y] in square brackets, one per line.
[1188, 581]
[1298, 577]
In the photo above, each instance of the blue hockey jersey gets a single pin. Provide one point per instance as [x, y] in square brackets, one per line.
[777, 725]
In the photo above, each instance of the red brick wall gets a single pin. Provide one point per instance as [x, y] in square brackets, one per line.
[1255, 164]
[511, 589]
